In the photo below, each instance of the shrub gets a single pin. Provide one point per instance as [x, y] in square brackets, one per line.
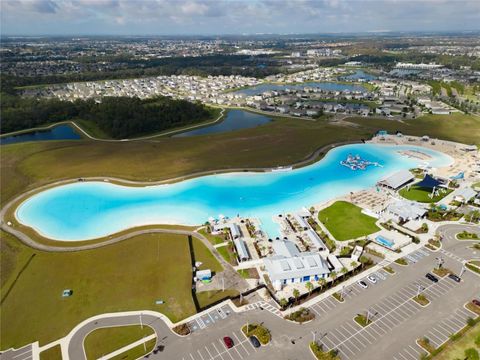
[302, 315]
[471, 322]
[471, 354]
[259, 331]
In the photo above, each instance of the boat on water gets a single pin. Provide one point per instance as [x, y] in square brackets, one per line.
[355, 162]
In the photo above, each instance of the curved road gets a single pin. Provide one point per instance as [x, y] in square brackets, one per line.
[461, 248]
[77, 336]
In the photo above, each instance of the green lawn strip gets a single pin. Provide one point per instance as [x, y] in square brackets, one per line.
[214, 239]
[136, 352]
[54, 353]
[442, 272]
[421, 194]
[107, 340]
[259, 331]
[473, 268]
[129, 275]
[320, 354]
[345, 221]
[206, 298]
[227, 254]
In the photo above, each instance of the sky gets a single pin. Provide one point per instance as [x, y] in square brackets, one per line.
[217, 17]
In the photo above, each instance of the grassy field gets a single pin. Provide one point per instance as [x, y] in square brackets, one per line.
[206, 298]
[345, 221]
[104, 341]
[456, 350]
[54, 353]
[421, 194]
[454, 127]
[129, 275]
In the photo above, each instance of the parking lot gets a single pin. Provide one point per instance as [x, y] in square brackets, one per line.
[324, 306]
[350, 339]
[210, 318]
[24, 353]
[438, 334]
[217, 349]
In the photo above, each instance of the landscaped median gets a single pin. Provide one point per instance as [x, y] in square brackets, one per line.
[320, 354]
[465, 235]
[401, 261]
[473, 265]
[421, 299]
[442, 272]
[389, 270]
[362, 320]
[259, 331]
[301, 316]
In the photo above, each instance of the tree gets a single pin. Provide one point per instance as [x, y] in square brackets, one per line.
[353, 264]
[333, 275]
[344, 270]
[471, 354]
[321, 282]
[296, 294]
[283, 302]
[309, 287]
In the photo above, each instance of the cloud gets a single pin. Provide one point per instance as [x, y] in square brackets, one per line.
[234, 16]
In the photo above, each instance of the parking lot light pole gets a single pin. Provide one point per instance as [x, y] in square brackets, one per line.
[314, 333]
[463, 270]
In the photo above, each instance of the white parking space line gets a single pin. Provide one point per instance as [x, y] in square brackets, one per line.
[451, 325]
[447, 328]
[218, 352]
[434, 338]
[439, 334]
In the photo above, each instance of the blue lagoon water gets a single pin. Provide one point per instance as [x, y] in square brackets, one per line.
[59, 132]
[235, 120]
[328, 86]
[88, 210]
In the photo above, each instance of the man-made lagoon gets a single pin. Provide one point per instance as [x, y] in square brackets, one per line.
[328, 86]
[234, 120]
[88, 210]
[59, 132]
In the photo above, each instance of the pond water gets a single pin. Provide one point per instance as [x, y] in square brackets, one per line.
[88, 210]
[328, 86]
[59, 132]
[234, 120]
[360, 75]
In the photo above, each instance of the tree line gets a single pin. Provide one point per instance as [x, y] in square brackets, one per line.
[119, 117]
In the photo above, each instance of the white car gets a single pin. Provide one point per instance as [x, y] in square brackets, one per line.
[372, 279]
[363, 284]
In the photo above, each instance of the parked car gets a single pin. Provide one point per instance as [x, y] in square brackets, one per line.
[454, 277]
[363, 284]
[372, 279]
[476, 302]
[431, 277]
[254, 341]
[227, 340]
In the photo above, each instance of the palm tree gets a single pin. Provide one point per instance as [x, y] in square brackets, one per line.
[283, 302]
[353, 264]
[333, 275]
[344, 271]
[309, 287]
[296, 294]
[321, 282]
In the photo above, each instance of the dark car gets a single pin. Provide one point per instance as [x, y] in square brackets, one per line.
[454, 277]
[227, 340]
[431, 277]
[254, 341]
[476, 302]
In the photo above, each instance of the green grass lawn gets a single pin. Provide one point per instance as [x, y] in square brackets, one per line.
[227, 254]
[214, 239]
[54, 353]
[456, 350]
[128, 275]
[421, 194]
[136, 352]
[206, 298]
[345, 221]
[104, 341]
